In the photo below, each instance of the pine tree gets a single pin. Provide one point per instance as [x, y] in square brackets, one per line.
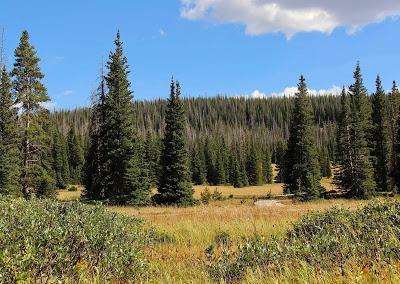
[124, 179]
[362, 184]
[325, 162]
[394, 108]
[152, 158]
[198, 167]
[93, 167]
[60, 160]
[254, 167]
[31, 94]
[302, 170]
[75, 157]
[344, 152]
[268, 171]
[10, 162]
[174, 186]
[380, 138]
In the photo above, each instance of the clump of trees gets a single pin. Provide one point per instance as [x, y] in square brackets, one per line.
[120, 148]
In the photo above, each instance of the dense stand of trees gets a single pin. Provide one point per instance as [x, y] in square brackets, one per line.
[119, 148]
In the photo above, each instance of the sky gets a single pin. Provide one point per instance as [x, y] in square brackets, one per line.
[251, 48]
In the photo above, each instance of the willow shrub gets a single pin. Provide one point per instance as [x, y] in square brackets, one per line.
[46, 240]
[334, 241]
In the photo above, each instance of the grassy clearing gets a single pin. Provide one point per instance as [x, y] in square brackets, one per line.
[192, 230]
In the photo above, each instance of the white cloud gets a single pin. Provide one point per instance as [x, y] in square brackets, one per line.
[291, 16]
[49, 105]
[291, 91]
[67, 93]
[162, 32]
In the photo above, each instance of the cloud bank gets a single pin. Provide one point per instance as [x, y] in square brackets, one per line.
[291, 91]
[291, 16]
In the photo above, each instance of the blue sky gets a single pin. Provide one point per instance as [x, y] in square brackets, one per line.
[228, 47]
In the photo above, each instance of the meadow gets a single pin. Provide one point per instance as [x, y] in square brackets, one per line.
[190, 231]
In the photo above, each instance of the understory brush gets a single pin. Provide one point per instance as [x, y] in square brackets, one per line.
[337, 241]
[50, 241]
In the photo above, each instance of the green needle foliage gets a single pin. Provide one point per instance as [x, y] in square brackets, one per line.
[10, 156]
[362, 184]
[174, 186]
[302, 170]
[124, 179]
[32, 94]
[60, 159]
[380, 138]
[75, 156]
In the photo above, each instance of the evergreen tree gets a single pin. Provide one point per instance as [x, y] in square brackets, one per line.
[174, 186]
[254, 167]
[60, 159]
[344, 152]
[198, 167]
[268, 171]
[302, 170]
[380, 138]
[394, 108]
[280, 162]
[124, 179]
[152, 158]
[325, 162]
[31, 94]
[362, 184]
[93, 167]
[75, 156]
[10, 162]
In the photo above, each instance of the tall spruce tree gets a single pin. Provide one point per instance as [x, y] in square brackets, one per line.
[254, 167]
[302, 170]
[198, 167]
[394, 108]
[93, 167]
[362, 182]
[124, 179]
[174, 186]
[31, 94]
[10, 158]
[75, 156]
[380, 138]
[60, 159]
[268, 171]
[344, 152]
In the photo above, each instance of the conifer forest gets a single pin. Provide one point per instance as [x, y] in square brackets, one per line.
[227, 189]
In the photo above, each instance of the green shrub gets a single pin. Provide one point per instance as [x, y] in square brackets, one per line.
[206, 196]
[73, 188]
[217, 196]
[45, 240]
[336, 241]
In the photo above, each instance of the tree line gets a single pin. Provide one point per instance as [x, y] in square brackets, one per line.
[120, 148]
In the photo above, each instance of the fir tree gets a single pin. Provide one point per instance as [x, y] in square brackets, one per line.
[124, 179]
[198, 167]
[362, 182]
[344, 152]
[174, 186]
[325, 162]
[152, 158]
[394, 108]
[10, 162]
[93, 167]
[302, 170]
[268, 171]
[60, 159]
[31, 94]
[380, 138]
[254, 167]
[75, 156]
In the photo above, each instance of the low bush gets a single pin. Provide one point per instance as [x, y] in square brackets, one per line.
[335, 241]
[72, 188]
[206, 196]
[50, 241]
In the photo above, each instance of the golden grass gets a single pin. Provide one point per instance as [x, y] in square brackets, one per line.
[195, 228]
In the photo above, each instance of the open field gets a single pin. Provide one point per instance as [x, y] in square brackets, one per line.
[192, 230]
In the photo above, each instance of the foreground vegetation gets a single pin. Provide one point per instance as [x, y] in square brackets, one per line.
[50, 241]
[230, 240]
